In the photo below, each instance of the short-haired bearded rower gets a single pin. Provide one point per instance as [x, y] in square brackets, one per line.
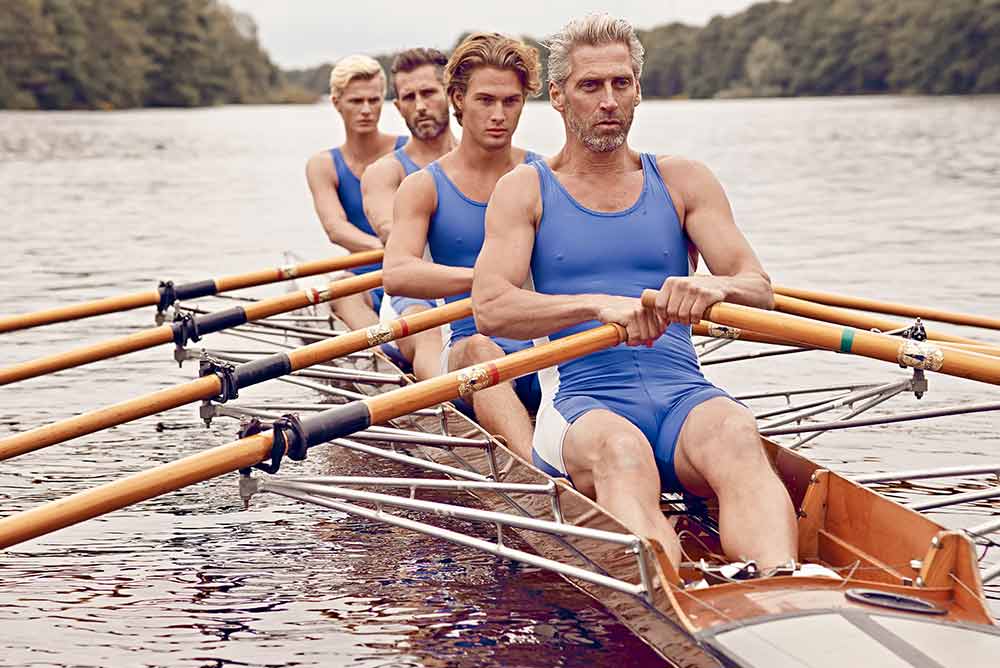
[438, 223]
[418, 79]
[589, 229]
[357, 90]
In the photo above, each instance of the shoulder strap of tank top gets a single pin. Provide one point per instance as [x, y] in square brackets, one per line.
[340, 165]
[544, 174]
[653, 169]
[530, 157]
[401, 141]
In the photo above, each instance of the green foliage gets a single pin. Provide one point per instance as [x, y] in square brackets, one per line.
[57, 54]
[109, 54]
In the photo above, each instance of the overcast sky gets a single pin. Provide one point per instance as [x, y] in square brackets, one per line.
[303, 33]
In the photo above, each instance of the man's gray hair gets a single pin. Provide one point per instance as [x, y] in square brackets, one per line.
[594, 30]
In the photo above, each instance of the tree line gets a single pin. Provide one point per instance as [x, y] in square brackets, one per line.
[112, 54]
[92, 54]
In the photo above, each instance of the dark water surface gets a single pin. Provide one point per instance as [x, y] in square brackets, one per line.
[893, 198]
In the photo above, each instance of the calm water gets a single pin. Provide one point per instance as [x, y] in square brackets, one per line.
[894, 198]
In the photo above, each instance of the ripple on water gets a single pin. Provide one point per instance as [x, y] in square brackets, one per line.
[834, 189]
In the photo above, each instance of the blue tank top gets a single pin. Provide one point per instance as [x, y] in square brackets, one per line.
[406, 161]
[581, 251]
[349, 192]
[456, 234]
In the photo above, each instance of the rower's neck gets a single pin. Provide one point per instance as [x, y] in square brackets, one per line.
[365, 147]
[576, 158]
[423, 152]
[484, 159]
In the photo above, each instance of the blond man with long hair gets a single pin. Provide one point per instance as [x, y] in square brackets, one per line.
[438, 225]
[357, 90]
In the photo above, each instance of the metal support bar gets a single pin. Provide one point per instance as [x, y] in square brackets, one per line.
[956, 499]
[711, 346]
[469, 541]
[985, 528]
[807, 390]
[452, 510]
[891, 389]
[757, 354]
[868, 405]
[922, 474]
[407, 459]
[869, 422]
[990, 574]
[420, 483]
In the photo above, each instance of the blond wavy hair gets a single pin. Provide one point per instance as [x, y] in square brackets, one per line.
[483, 49]
[354, 67]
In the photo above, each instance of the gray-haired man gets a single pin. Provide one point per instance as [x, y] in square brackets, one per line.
[591, 228]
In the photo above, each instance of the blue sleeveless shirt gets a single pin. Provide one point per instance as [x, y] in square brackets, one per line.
[456, 234]
[406, 161]
[349, 192]
[581, 251]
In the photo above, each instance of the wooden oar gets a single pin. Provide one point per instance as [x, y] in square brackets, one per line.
[167, 293]
[244, 375]
[189, 329]
[890, 308]
[906, 352]
[842, 316]
[316, 428]
[718, 331]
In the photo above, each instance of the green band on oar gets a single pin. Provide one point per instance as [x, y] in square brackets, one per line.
[846, 340]
[167, 293]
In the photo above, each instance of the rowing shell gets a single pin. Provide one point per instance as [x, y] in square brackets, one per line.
[910, 593]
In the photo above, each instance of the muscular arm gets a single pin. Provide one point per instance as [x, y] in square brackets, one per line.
[405, 271]
[378, 190]
[737, 274]
[322, 179]
[500, 305]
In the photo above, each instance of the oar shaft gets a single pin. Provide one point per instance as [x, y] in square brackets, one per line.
[127, 302]
[138, 487]
[906, 352]
[11, 323]
[705, 328]
[889, 308]
[246, 375]
[319, 428]
[208, 323]
[841, 316]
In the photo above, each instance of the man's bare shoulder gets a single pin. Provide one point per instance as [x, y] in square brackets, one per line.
[684, 171]
[384, 171]
[519, 189]
[418, 190]
[320, 166]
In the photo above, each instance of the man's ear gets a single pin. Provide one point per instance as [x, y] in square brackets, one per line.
[638, 92]
[556, 97]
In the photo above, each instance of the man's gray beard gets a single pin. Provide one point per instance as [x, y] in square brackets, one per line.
[597, 143]
[429, 134]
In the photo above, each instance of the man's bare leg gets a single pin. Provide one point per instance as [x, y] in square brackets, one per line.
[423, 349]
[355, 310]
[498, 409]
[610, 460]
[719, 451]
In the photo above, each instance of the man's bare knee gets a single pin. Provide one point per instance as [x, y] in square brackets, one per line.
[620, 455]
[474, 349]
[732, 451]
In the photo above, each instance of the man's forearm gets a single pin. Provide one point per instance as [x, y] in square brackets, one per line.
[749, 289]
[421, 279]
[523, 314]
[354, 240]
